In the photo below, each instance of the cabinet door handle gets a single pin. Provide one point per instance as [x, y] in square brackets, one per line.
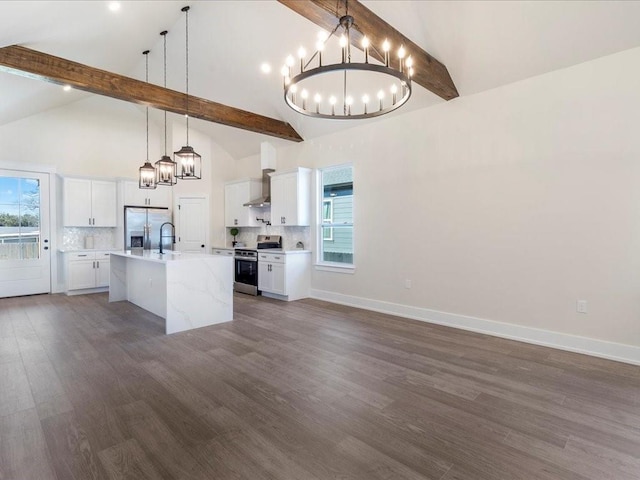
[277, 258]
[94, 264]
[98, 263]
[82, 255]
[89, 220]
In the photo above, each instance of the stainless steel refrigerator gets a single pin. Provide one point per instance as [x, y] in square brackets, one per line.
[143, 226]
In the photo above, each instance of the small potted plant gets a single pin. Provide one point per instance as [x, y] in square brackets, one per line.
[234, 232]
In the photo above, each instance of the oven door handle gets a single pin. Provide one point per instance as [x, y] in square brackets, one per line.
[244, 259]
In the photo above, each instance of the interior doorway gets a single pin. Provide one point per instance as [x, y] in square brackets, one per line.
[192, 224]
[25, 240]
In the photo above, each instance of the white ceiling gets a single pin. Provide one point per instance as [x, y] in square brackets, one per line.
[484, 44]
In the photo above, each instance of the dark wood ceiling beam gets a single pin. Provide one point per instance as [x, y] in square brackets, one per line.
[32, 64]
[429, 72]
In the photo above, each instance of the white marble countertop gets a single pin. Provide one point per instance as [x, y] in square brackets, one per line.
[83, 250]
[285, 252]
[154, 256]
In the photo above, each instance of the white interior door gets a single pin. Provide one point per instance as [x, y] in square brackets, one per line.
[25, 255]
[193, 224]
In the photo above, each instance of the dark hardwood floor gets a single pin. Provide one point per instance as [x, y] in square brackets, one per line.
[302, 390]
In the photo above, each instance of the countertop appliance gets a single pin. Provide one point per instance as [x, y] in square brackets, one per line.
[145, 223]
[246, 264]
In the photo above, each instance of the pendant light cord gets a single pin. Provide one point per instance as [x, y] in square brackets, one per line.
[164, 36]
[186, 11]
[146, 58]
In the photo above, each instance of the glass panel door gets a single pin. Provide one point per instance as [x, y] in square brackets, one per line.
[24, 233]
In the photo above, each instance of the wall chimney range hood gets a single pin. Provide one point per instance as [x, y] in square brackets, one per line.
[265, 199]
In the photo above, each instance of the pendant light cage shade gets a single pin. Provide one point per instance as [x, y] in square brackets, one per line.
[147, 172]
[188, 164]
[165, 171]
[147, 176]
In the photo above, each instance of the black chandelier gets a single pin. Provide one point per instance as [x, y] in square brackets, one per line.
[328, 90]
[188, 162]
[165, 167]
[147, 173]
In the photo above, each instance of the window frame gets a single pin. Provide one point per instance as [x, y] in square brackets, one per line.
[321, 224]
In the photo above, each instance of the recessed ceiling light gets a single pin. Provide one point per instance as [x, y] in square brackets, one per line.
[265, 67]
[114, 6]
[66, 88]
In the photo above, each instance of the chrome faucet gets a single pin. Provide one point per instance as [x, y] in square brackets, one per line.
[173, 235]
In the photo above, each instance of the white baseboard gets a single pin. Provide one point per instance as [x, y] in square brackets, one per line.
[563, 341]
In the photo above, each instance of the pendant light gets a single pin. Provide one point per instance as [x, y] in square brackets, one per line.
[188, 162]
[165, 167]
[147, 173]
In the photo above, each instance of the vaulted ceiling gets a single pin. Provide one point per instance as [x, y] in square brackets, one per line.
[484, 44]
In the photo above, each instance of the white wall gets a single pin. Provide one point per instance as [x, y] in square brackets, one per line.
[508, 205]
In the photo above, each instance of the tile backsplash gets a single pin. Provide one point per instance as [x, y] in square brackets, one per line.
[290, 236]
[73, 238]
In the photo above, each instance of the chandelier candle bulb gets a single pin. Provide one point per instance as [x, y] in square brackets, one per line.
[348, 102]
[320, 48]
[385, 48]
[343, 44]
[301, 53]
[365, 46]
[380, 97]
[317, 98]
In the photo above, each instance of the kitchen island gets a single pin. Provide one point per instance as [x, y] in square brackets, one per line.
[188, 290]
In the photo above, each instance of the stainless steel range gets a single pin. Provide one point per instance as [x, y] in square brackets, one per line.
[246, 264]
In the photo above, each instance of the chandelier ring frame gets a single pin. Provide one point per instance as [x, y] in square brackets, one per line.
[347, 67]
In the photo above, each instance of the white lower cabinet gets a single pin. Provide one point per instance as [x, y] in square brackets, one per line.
[284, 276]
[272, 273]
[226, 252]
[87, 270]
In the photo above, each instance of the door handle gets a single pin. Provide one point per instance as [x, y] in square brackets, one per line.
[46, 248]
[201, 246]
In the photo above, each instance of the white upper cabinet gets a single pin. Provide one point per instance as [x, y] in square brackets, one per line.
[291, 197]
[135, 196]
[236, 194]
[89, 203]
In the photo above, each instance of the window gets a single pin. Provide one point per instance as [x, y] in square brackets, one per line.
[336, 222]
[19, 218]
[327, 217]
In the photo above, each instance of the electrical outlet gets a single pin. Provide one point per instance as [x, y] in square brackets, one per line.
[581, 306]
[407, 283]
